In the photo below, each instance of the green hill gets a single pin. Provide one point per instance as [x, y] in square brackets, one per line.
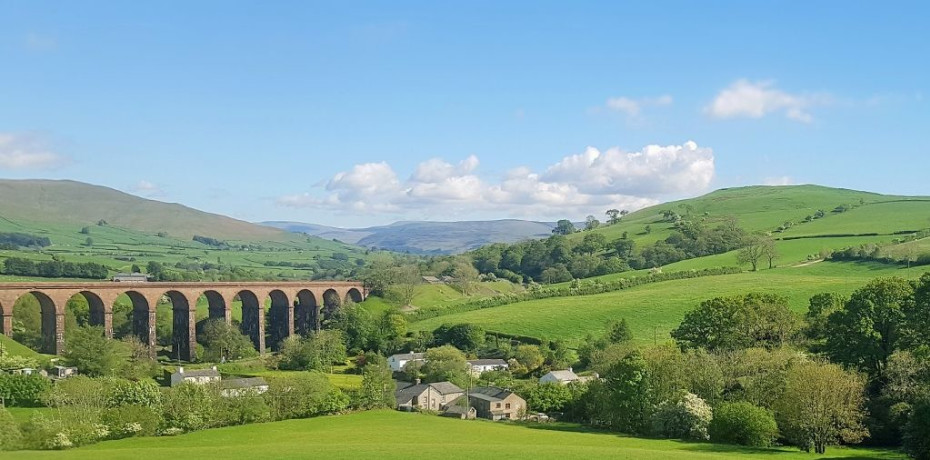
[766, 208]
[391, 434]
[35, 203]
[89, 223]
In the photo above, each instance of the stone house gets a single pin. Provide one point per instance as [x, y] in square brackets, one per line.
[238, 387]
[495, 403]
[197, 376]
[564, 377]
[398, 361]
[479, 366]
[426, 396]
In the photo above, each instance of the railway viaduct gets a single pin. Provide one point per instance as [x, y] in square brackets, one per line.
[292, 307]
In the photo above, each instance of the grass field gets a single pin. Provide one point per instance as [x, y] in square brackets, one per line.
[389, 435]
[653, 310]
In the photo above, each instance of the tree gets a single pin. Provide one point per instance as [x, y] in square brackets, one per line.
[618, 331]
[548, 397]
[769, 251]
[742, 423]
[591, 243]
[224, 341]
[820, 307]
[868, 329]
[624, 247]
[822, 405]
[629, 395]
[93, 354]
[529, 357]
[405, 280]
[463, 336]
[591, 223]
[377, 385]
[686, 416]
[465, 276]
[647, 229]
[564, 227]
[85, 230]
[752, 250]
[89, 242]
[10, 436]
[613, 216]
[917, 432]
[445, 363]
[738, 322]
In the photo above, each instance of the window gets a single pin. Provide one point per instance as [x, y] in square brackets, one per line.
[498, 406]
[508, 406]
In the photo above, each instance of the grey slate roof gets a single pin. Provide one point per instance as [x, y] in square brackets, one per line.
[408, 356]
[200, 373]
[490, 393]
[406, 394]
[250, 382]
[487, 362]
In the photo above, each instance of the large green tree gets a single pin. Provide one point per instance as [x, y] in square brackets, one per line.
[728, 323]
[868, 329]
[93, 354]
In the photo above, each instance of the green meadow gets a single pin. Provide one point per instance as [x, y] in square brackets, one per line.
[390, 435]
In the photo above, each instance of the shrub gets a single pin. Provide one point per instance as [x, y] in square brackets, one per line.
[743, 423]
[917, 432]
[10, 436]
[132, 420]
[685, 417]
[23, 390]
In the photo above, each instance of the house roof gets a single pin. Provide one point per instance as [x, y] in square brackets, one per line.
[199, 373]
[564, 376]
[490, 393]
[250, 382]
[406, 394]
[487, 362]
[408, 356]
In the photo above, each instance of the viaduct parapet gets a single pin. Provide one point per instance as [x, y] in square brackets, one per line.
[289, 307]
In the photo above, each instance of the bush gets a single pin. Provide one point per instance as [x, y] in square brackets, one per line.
[743, 423]
[917, 432]
[302, 395]
[685, 417]
[23, 390]
[10, 436]
[190, 407]
[132, 420]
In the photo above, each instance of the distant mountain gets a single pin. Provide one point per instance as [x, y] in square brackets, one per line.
[37, 203]
[427, 237]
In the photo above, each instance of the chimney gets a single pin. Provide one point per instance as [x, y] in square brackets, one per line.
[180, 369]
[416, 382]
[570, 369]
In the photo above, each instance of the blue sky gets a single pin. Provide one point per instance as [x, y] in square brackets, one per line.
[382, 111]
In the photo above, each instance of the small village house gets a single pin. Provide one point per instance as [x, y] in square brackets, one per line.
[196, 376]
[495, 403]
[426, 396]
[564, 377]
[398, 361]
[479, 366]
[239, 387]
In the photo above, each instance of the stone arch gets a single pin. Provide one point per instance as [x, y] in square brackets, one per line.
[53, 322]
[280, 317]
[217, 306]
[253, 315]
[331, 302]
[184, 321]
[354, 295]
[306, 312]
[143, 319]
[97, 310]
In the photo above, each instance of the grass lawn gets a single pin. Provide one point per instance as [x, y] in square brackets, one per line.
[389, 434]
[653, 310]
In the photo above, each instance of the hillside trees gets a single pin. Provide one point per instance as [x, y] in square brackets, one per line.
[728, 323]
[564, 227]
[822, 405]
[224, 341]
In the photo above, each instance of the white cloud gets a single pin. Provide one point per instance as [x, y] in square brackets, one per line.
[38, 42]
[633, 107]
[575, 186]
[757, 99]
[783, 180]
[148, 189]
[18, 151]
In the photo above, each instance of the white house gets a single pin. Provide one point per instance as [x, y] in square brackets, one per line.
[479, 366]
[398, 361]
[564, 377]
[197, 376]
[238, 387]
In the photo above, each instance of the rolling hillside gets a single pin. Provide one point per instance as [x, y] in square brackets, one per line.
[35, 203]
[428, 237]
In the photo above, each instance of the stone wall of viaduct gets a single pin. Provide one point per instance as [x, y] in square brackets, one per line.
[295, 307]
